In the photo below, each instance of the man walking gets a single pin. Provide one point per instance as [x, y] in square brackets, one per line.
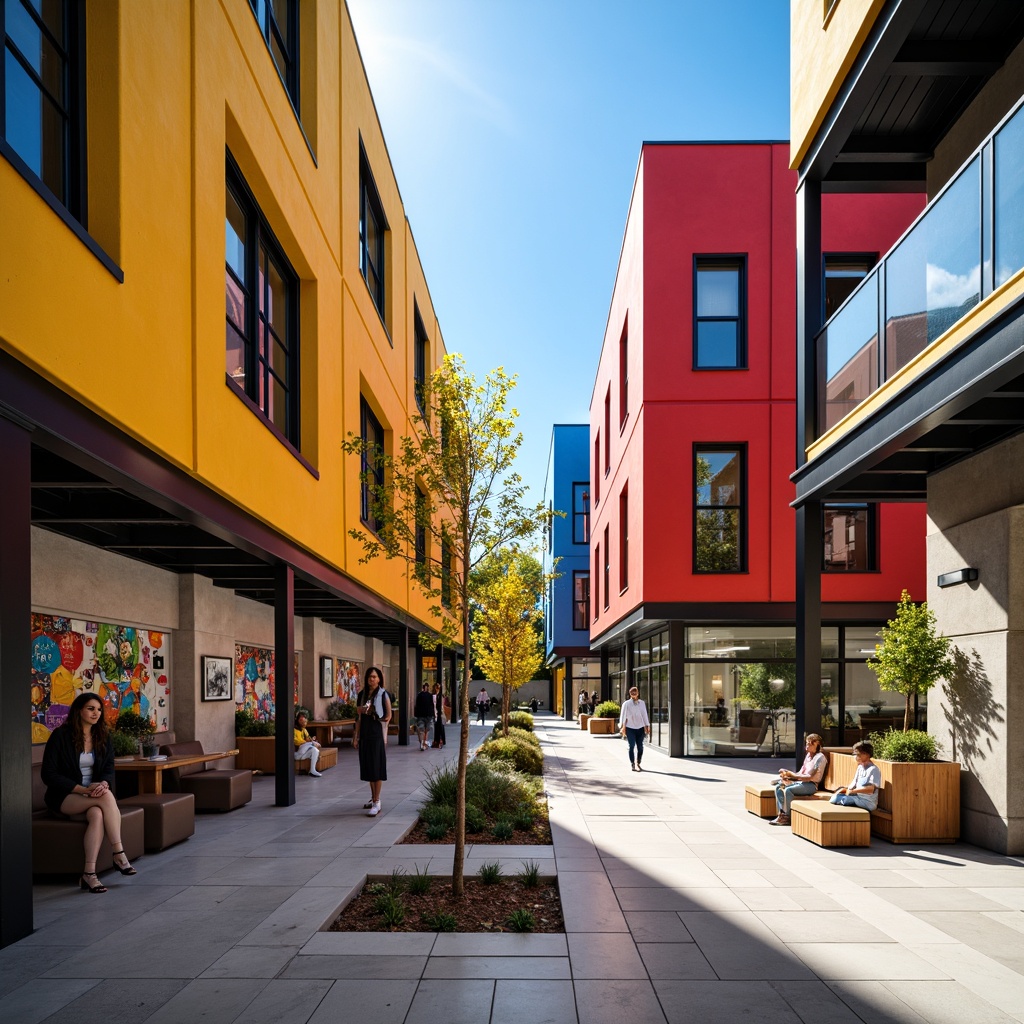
[634, 724]
[423, 712]
[483, 702]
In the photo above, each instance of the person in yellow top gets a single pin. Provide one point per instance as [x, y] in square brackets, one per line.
[305, 746]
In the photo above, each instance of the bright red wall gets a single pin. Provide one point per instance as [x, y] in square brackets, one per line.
[708, 199]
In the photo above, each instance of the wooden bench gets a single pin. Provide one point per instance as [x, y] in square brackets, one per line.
[760, 800]
[328, 759]
[828, 824]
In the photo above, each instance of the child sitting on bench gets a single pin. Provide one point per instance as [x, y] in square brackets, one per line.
[863, 791]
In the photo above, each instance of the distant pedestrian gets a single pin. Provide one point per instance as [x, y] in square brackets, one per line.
[581, 704]
[423, 714]
[483, 702]
[371, 736]
[593, 703]
[634, 724]
[438, 700]
[534, 704]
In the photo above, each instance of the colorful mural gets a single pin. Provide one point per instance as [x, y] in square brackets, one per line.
[255, 688]
[347, 680]
[116, 662]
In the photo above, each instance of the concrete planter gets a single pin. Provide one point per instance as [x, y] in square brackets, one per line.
[601, 726]
[919, 801]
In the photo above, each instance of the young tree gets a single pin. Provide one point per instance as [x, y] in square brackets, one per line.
[912, 656]
[772, 688]
[444, 499]
[505, 642]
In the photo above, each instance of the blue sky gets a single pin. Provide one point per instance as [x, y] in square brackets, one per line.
[515, 126]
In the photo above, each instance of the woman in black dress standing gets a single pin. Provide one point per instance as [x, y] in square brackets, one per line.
[371, 736]
[438, 717]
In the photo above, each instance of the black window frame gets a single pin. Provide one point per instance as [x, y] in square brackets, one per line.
[446, 570]
[369, 425]
[261, 242]
[624, 375]
[271, 31]
[740, 448]
[597, 470]
[872, 534]
[420, 358]
[595, 590]
[70, 106]
[420, 537]
[607, 569]
[580, 511]
[869, 260]
[624, 539]
[722, 261]
[372, 263]
[608, 431]
[581, 605]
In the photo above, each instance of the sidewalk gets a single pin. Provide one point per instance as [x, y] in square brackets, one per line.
[679, 907]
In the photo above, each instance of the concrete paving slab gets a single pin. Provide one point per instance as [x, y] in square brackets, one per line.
[539, 1002]
[461, 1001]
[284, 1002]
[947, 1002]
[605, 956]
[865, 961]
[356, 1001]
[217, 999]
[500, 944]
[251, 962]
[842, 924]
[674, 961]
[519, 967]
[815, 1003]
[363, 967]
[739, 946]
[612, 1002]
[657, 926]
[723, 1002]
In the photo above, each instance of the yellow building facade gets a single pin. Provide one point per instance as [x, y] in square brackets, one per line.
[207, 283]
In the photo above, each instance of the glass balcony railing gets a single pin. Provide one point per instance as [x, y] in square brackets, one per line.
[966, 242]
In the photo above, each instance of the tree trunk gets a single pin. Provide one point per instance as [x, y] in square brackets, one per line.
[906, 715]
[506, 699]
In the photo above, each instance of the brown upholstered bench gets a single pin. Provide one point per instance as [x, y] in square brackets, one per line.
[58, 843]
[170, 817]
[215, 789]
[829, 824]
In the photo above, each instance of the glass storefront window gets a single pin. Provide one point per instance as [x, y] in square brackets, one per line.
[860, 642]
[651, 677]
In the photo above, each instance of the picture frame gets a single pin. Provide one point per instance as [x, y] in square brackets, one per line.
[327, 677]
[216, 678]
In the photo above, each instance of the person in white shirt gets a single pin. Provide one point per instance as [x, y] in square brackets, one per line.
[634, 724]
[863, 791]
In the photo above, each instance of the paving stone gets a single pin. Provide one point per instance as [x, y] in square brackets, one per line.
[604, 956]
[213, 1000]
[452, 1001]
[723, 1002]
[670, 961]
[657, 926]
[520, 967]
[612, 1002]
[539, 1002]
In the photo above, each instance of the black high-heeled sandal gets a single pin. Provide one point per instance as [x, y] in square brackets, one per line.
[124, 871]
[86, 887]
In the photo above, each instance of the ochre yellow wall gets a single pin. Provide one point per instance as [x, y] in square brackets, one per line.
[820, 57]
[170, 85]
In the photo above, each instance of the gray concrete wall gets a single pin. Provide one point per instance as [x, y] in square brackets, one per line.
[976, 519]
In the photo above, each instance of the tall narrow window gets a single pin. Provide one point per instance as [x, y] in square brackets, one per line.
[624, 539]
[623, 376]
[581, 513]
[849, 534]
[262, 312]
[607, 568]
[279, 23]
[372, 464]
[597, 578]
[42, 85]
[372, 229]
[421, 357]
[720, 309]
[843, 272]
[580, 599]
[446, 571]
[719, 508]
[607, 429]
[422, 517]
[597, 469]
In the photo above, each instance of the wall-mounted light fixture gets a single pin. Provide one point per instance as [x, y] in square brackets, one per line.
[951, 579]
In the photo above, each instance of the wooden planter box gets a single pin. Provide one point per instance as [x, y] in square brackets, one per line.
[583, 720]
[919, 802]
[601, 726]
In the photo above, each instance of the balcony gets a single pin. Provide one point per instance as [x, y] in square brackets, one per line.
[965, 244]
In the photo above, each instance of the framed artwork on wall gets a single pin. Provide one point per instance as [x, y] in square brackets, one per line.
[327, 678]
[216, 678]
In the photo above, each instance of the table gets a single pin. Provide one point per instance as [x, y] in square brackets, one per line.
[323, 732]
[151, 773]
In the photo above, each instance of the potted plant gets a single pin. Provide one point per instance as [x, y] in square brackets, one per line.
[341, 711]
[605, 716]
[255, 740]
[140, 728]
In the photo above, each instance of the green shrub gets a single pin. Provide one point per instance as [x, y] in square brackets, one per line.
[607, 709]
[912, 745]
[521, 720]
[530, 875]
[441, 784]
[497, 788]
[476, 820]
[419, 882]
[522, 755]
[340, 711]
[521, 921]
[124, 744]
[514, 732]
[437, 831]
[490, 874]
[432, 814]
[131, 723]
[396, 881]
[523, 818]
[391, 909]
[246, 724]
[503, 829]
[441, 921]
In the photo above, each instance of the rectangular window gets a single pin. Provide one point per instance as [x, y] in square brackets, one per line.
[422, 522]
[580, 599]
[597, 469]
[849, 538]
[279, 24]
[42, 95]
[581, 513]
[371, 465]
[624, 539]
[607, 429]
[421, 357]
[843, 272]
[372, 230]
[719, 511]
[607, 568]
[720, 312]
[446, 571]
[262, 347]
[623, 376]
[597, 578]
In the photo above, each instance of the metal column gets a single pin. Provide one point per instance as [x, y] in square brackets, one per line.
[284, 669]
[403, 688]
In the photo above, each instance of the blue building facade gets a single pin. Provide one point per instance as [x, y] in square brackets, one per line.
[567, 551]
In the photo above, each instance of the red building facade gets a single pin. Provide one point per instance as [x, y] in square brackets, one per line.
[693, 434]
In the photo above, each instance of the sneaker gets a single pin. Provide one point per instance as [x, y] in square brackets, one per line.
[367, 805]
[316, 775]
[638, 768]
[632, 767]
[782, 819]
[374, 810]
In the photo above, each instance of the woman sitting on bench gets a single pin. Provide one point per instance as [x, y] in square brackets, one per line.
[802, 783]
